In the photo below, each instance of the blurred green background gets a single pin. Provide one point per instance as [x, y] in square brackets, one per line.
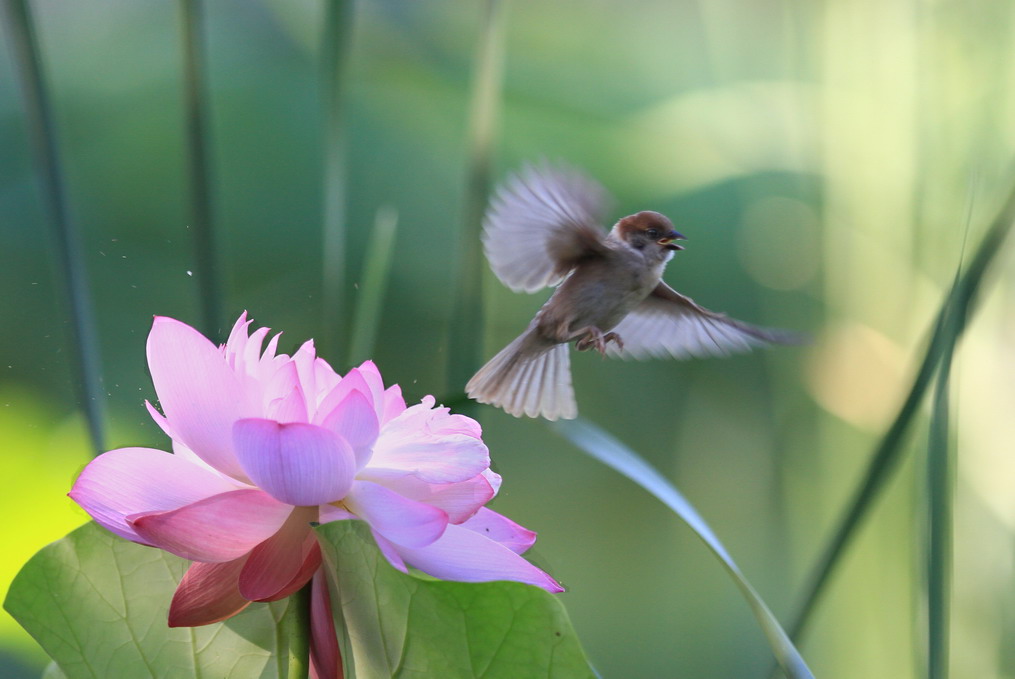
[829, 161]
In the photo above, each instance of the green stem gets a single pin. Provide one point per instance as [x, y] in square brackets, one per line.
[297, 620]
[465, 335]
[334, 294]
[198, 169]
[376, 272]
[70, 266]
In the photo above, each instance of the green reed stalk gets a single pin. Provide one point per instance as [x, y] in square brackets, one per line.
[335, 43]
[951, 322]
[199, 173]
[71, 273]
[465, 333]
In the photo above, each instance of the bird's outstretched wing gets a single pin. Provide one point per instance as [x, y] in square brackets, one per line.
[669, 325]
[540, 224]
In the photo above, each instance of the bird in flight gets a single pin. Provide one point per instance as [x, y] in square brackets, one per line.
[543, 228]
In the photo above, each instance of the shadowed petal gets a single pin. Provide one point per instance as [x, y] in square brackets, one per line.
[200, 394]
[389, 551]
[331, 513]
[399, 519]
[324, 650]
[501, 529]
[274, 563]
[311, 563]
[209, 592]
[216, 529]
[460, 500]
[132, 480]
[299, 464]
[464, 555]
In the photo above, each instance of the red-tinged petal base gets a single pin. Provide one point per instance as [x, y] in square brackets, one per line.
[311, 564]
[209, 592]
[276, 563]
[326, 659]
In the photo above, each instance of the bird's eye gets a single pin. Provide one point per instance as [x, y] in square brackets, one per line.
[652, 233]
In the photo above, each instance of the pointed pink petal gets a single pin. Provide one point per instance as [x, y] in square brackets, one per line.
[352, 382]
[208, 593]
[354, 420]
[325, 377]
[459, 500]
[324, 652]
[238, 335]
[268, 355]
[183, 452]
[466, 556]
[200, 394]
[252, 351]
[501, 529]
[280, 382]
[216, 529]
[399, 519]
[372, 376]
[131, 480]
[299, 464]
[394, 404]
[290, 408]
[274, 563]
[305, 359]
[159, 419]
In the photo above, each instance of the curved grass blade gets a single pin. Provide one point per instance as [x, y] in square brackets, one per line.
[951, 322]
[465, 334]
[939, 520]
[72, 278]
[196, 119]
[376, 271]
[611, 452]
[334, 55]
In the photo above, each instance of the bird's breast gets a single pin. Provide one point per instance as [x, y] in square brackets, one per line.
[600, 295]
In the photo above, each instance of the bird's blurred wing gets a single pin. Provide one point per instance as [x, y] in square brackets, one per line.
[540, 224]
[668, 324]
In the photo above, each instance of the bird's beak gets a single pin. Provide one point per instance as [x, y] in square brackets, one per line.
[667, 241]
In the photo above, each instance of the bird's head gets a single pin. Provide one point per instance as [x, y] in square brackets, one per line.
[648, 229]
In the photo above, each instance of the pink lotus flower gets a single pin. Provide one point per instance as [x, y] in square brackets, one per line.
[263, 445]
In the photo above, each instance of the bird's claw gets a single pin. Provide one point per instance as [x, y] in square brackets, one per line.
[595, 339]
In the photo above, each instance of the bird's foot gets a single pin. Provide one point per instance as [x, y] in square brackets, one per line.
[595, 339]
[615, 338]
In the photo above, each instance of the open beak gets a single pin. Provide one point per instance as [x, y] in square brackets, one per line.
[667, 241]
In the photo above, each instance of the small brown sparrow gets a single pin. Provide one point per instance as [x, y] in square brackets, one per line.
[543, 228]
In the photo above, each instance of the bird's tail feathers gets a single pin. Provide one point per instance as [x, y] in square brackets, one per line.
[529, 378]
